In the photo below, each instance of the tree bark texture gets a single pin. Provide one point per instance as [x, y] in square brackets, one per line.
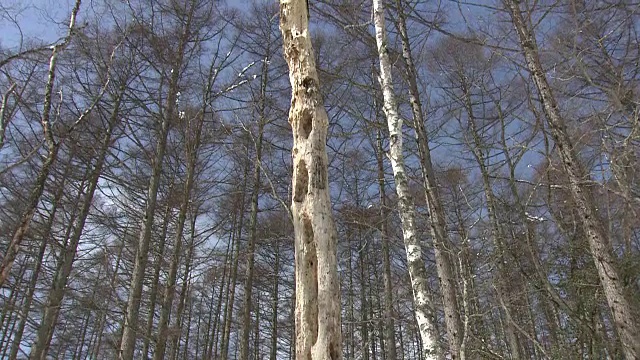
[406, 208]
[317, 316]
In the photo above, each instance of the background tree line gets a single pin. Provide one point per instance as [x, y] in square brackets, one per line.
[145, 180]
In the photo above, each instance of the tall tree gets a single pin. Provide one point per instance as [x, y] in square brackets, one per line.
[318, 325]
[620, 305]
[422, 299]
[437, 221]
[167, 116]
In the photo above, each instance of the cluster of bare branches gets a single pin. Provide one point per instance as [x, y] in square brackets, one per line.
[481, 158]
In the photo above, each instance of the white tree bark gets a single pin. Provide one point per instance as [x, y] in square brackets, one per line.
[437, 219]
[318, 332]
[417, 271]
[624, 316]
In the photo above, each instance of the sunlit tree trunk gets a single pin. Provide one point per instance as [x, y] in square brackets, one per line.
[437, 222]
[318, 328]
[417, 270]
[389, 321]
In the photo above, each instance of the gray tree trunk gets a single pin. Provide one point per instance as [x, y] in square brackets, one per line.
[625, 319]
[191, 149]
[130, 330]
[253, 219]
[437, 221]
[389, 321]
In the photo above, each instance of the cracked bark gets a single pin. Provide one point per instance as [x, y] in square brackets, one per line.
[317, 314]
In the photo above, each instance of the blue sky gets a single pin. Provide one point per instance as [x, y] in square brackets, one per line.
[37, 20]
[45, 20]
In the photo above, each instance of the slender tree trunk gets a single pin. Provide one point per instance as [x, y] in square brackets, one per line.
[417, 271]
[624, 317]
[274, 307]
[185, 354]
[256, 330]
[350, 342]
[237, 235]
[7, 314]
[437, 221]
[211, 346]
[52, 153]
[199, 326]
[192, 149]
[364, 302]
[318, 328]
[169, 293]
[33, 281]
[389, 328]
[177, 334]
[56, 295]
[4, 117]
[112, 284]
[503, 286]
[253, 220]
[153, 295]
[130, 331]
[80, 345]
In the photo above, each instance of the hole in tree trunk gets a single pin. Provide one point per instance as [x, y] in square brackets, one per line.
[306, 123]
[301, 182]
[319, 173]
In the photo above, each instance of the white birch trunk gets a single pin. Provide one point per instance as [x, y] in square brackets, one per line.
[437, 219]
[317, 314]
[417, 271]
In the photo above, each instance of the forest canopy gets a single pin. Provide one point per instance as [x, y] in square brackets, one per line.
[333, 179]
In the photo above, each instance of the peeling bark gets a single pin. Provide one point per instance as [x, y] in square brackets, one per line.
[318, 331]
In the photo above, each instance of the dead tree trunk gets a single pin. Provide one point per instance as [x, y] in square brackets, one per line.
[318, 332]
